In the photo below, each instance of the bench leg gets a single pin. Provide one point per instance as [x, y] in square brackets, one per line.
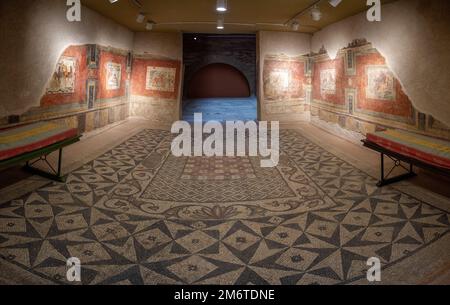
[386, 180]
[56, 175]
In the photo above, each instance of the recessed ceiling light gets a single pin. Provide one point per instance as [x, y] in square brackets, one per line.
[221, 6]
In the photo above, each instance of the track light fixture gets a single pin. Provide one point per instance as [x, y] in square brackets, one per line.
[149, 26]
[140, 18]
[316, 14]
[295, 26]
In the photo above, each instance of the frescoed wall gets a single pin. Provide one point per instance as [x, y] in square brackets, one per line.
[284, 76]
[156, 77]
[357, 92]
[286, 85]
[87, 90]
[155, 88]
[414, 37]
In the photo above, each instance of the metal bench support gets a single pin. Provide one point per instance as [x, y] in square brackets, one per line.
[386, 179]
[55, 175]
[33, 157]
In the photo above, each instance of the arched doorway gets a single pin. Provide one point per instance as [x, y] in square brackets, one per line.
[218, 80]
[220, 92]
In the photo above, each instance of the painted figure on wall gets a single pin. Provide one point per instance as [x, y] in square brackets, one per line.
[283, 78]
[380, 83]
[113, 76]
[278, 83]
[161, 79]
[328, 81]
[63, 79]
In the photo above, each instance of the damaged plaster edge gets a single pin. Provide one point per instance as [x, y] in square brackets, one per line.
[335, 129]
[335, 37]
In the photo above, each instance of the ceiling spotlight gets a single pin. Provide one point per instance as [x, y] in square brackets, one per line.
[220, 23]
[316, 14]
[295, 26]
[113, 1]
[140, 18]
[149, 25]
[334, 3]
[221, 6]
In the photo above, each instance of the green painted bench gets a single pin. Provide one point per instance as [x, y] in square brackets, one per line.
[33, 143]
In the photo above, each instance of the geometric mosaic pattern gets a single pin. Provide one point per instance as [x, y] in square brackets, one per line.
[313, 219]
[211, 168]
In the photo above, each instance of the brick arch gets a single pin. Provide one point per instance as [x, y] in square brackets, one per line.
[218, 80]
[217, 59]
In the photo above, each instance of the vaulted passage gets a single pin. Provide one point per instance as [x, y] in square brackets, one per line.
[218, 80]
[219, 77]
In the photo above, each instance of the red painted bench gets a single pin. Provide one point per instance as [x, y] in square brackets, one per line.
[35, 142]
[413, 149]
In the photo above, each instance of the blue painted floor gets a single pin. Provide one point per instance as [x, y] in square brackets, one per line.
[221, 109]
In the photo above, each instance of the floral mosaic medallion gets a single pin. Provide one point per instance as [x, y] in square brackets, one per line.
[139, 215]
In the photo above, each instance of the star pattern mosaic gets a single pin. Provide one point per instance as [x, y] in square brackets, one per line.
[314, 219]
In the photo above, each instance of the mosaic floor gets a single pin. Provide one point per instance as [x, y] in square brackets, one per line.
[139, 215]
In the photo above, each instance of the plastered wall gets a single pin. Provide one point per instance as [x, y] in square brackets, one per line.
[283, 81]
[34, 35]
[357, 93]
[56, 70]
[414, 38]
[412, 42]
[89, 89]
[156, 77]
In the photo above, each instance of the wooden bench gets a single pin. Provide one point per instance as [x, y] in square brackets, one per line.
[33, 143]
[415, 150]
